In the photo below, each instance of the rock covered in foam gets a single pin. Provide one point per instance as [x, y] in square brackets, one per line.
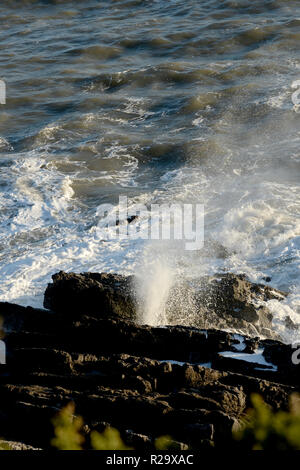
[238, 303]
[224, 301]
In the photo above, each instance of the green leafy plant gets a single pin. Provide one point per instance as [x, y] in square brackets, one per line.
[164, 443]
[110, 439]
[68, 433]
[4, 446]
[67, 430]
[265, 429]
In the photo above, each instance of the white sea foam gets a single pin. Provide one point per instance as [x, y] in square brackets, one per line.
[256, 358]
[247, 179]
[48, 230]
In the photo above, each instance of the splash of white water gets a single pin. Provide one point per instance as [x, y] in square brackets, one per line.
[154, 280]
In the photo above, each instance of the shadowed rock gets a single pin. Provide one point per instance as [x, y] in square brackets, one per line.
[106, 294]
[145, 381]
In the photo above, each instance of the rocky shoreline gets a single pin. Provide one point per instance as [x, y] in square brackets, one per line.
[191, 382]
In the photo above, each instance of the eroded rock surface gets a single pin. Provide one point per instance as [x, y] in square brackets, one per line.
[225, 301]
[110, 294]
[191, 383]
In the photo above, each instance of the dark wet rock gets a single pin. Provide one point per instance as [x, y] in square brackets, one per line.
[38, 359]
[242, 366]
[15, 318]
[103, 294]
[285, 357]
[223, 301]
[230, 301]
[197, 432]
[210, 397]
[145, 381]
[129, 220]
[251, 345]
[234, 297]
[131, 392]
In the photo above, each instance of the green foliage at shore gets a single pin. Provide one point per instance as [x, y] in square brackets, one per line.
[67, 430]
[110, 439]
[262, 429]
[5, 446]
[68, 434]
[265, 429]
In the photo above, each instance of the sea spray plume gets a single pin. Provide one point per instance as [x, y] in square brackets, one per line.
[163, 295]
[153, 284]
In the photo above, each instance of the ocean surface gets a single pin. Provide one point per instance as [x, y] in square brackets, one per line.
[163, 102]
